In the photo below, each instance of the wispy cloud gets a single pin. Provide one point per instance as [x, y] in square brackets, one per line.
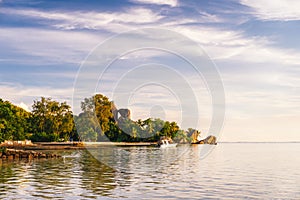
[49, 46]
[225, 44]
[281, 10]
[112, 21]
[23, 96]
[171, 3]
[260, 75]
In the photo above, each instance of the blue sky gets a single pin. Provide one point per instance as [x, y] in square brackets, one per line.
[254, 44]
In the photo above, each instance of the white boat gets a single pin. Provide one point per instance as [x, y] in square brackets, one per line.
[166, 144]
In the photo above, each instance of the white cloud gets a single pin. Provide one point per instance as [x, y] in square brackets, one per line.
[219, 43]
[12, 90]
[112, 21]
[233, 45]
[24, 106]
[49, 46]
[250, 95]
[23, 96]
[171, 3]
[282, 10]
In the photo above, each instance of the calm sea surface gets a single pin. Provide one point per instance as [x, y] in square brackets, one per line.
[230, 171]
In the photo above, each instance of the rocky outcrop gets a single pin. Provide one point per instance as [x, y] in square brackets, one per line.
[15, 144]
[120, 114]
[194, 136]
[14, 154]
[124, 112]
[208, 140]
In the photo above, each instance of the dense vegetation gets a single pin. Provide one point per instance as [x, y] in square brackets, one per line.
[14, 122]
[50, 120]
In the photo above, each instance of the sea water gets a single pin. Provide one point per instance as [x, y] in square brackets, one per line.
[230, 171]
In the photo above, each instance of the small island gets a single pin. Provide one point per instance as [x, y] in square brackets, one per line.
[52, 125]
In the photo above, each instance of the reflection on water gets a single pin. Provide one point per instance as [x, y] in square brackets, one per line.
[81, 176]
[231, 171]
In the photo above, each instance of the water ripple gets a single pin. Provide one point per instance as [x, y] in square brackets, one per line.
[232, 171]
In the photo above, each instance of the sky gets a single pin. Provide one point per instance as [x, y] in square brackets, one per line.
[254, 45]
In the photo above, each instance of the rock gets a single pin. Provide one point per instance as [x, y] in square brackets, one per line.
[12, 154]
[125, 113]
[24, 155]
[10, 157]
[194, 136]
[208, 140]
[211, 140]
[30, 156]
[118, 114]
[43, 155]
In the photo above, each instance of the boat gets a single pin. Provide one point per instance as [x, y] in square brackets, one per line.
[166, 144]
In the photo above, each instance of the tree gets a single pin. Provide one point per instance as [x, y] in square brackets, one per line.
[114, 132]
[151, 129]
[100, 106]
[87, 127]
[170, 129]
[98, 112]
[52, 118]
[14, 122]
[181, 137]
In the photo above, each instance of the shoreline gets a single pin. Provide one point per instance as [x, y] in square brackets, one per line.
[73, 145]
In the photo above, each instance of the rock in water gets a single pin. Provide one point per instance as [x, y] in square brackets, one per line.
[211, 140]
[208, 140]
[194, 136]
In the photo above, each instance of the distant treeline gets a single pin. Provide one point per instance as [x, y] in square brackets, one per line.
[50, 121]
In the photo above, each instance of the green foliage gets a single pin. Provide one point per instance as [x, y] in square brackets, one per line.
[53, 121]
[100, 106]
[52, 118]
[170, 129]
[181, 137]
[14, 122]
[97, 118]
[87, 127]
[44, 137]
[2, 149]
[114, 132]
